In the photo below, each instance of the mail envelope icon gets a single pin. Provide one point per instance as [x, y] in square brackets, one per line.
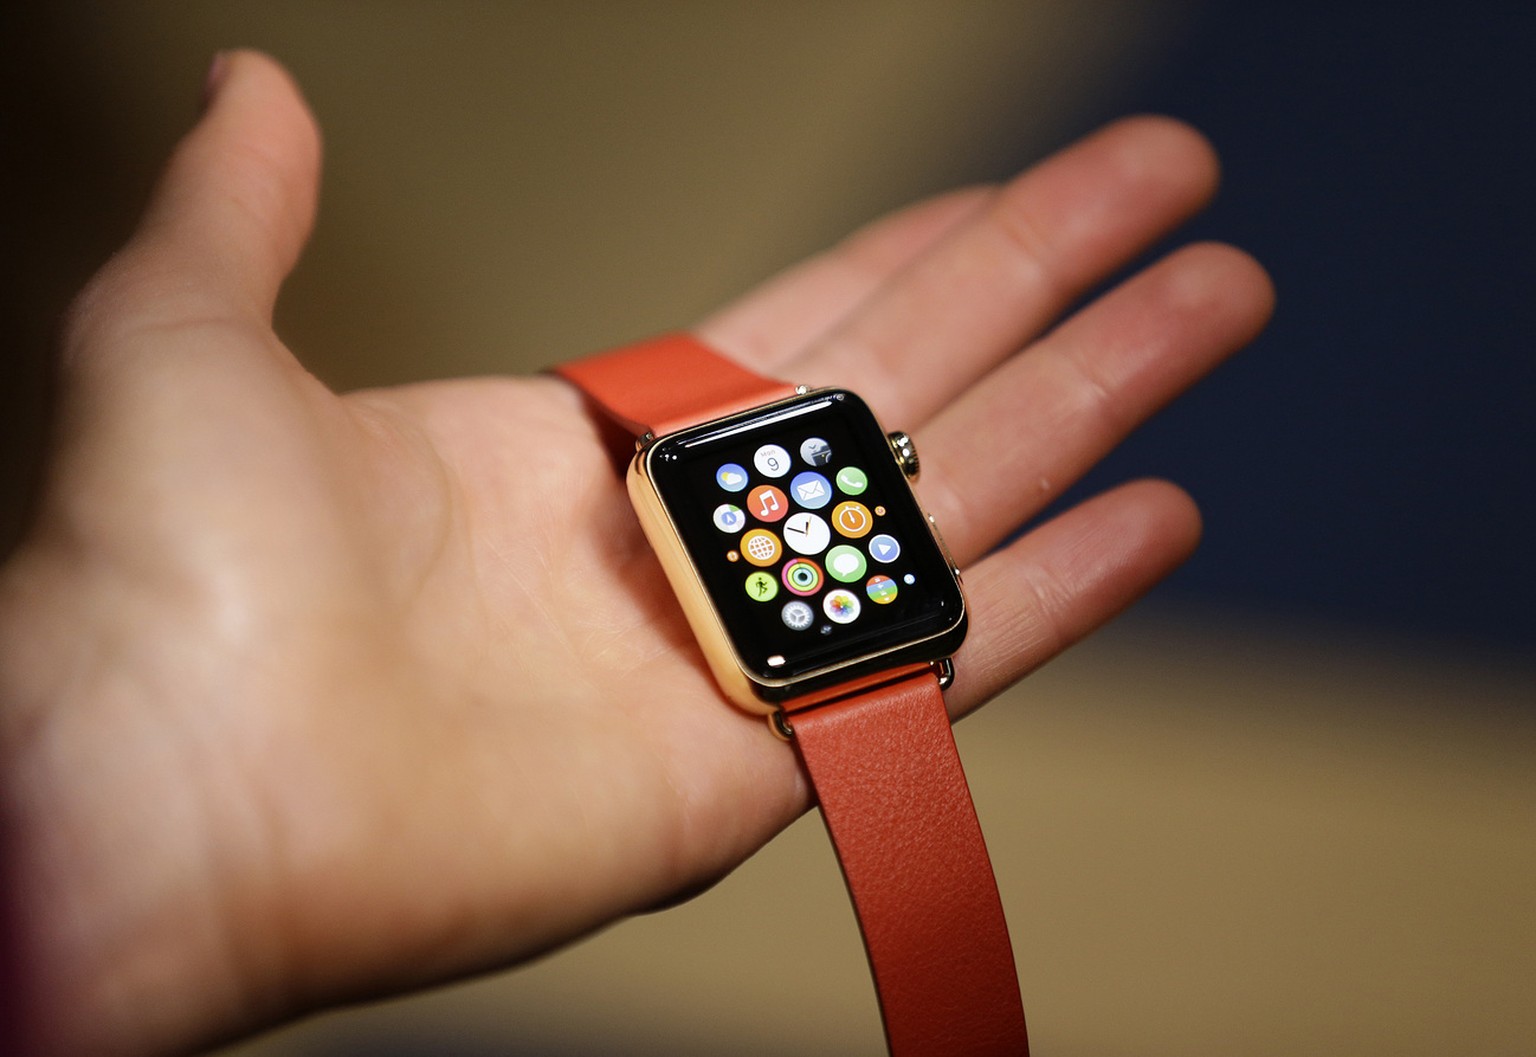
[810, 491]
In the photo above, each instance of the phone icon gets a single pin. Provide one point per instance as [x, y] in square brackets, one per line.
[852, 480]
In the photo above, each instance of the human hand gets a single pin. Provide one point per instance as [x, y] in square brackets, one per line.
[307, 697]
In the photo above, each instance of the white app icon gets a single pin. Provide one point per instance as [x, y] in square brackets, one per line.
[841, 607]
[771, 461]
[729, 518]
[807, 533]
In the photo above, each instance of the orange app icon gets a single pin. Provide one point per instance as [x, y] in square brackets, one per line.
[767, 503]
[761, 547]
[852, 519]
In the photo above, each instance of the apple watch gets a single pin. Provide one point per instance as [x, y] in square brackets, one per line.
[823, 597]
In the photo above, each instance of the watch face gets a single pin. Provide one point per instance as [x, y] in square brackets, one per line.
[806, 537]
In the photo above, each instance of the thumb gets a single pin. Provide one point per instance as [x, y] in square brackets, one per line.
[229, 215]
[170, 347]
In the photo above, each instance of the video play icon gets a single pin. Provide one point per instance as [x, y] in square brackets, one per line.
[884, 548]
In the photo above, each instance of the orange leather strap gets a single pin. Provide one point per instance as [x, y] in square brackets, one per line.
[896, 803]
[669, 382]
[884, 766]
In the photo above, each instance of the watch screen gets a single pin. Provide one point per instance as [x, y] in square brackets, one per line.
[806, 535]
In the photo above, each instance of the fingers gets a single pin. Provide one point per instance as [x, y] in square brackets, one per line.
[788, 313]
[1051, 413]
[998, 279]
[230, 213]
[1053, 586]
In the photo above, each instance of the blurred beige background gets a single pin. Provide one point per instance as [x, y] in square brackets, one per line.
[1215, 835]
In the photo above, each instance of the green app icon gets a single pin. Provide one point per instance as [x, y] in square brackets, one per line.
[846, 564]
[761, 586]
[852, 481]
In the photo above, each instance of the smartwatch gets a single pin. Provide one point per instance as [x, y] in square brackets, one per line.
[823, 597]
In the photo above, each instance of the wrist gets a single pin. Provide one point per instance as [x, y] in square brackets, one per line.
[110, 949]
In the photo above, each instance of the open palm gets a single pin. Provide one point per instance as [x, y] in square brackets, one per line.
[309, 697]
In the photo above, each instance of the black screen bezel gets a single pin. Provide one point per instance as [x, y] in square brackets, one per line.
[680, 468]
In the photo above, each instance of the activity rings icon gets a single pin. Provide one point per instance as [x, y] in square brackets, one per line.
[802, 576]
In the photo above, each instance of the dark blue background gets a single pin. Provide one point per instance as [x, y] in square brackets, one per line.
[1370, 459]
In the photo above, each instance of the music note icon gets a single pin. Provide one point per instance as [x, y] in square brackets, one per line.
[768, 503]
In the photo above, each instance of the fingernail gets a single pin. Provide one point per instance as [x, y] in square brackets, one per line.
[214, 79]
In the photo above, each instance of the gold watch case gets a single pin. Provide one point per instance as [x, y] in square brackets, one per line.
[748, 689]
